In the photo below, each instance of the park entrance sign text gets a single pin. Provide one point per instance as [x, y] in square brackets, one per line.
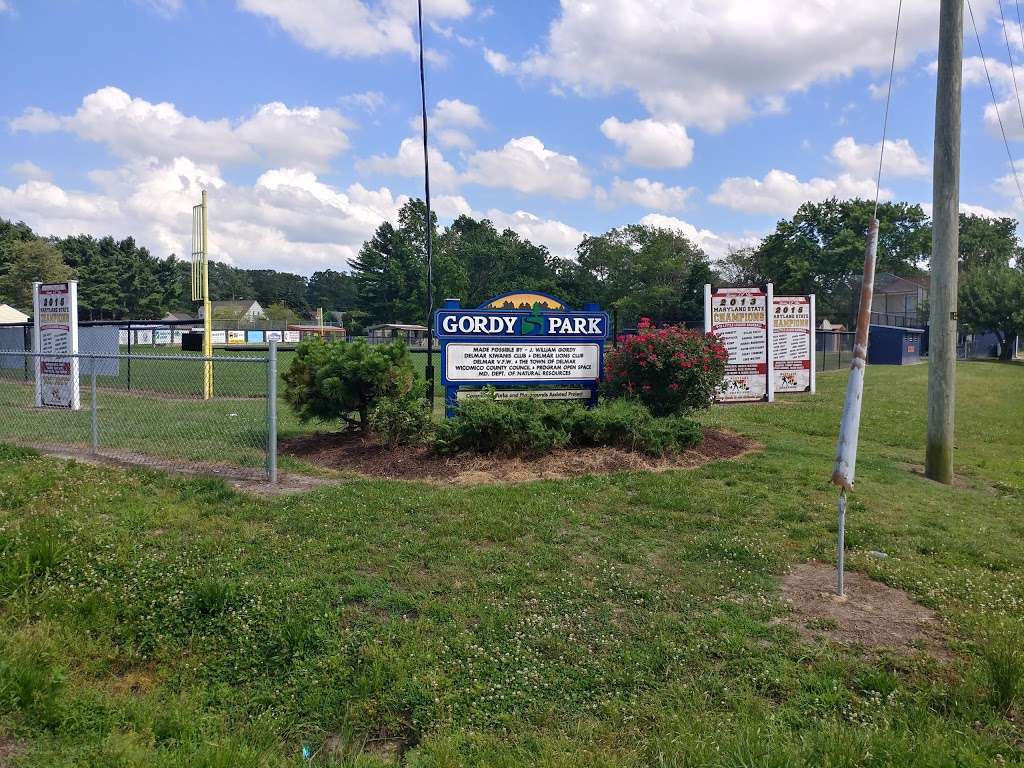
[55, 338]
[524, 344]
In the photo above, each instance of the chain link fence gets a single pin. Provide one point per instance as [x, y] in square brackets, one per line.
[162, 420]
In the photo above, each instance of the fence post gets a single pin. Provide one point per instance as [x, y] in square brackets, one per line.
[272, 411]
[93, 420]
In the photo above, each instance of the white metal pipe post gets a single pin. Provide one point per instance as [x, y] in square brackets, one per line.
[942, 295]
[845, 466]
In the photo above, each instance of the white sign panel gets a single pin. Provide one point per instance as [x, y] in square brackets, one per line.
[122, 338]
[145, 338]
[236, 337]
[162, 337]
[740, 317]
[55, 307]
[292, 336]
[480, 363]
[275, 336]
[218, 337]
[178, 336]
[793, 343]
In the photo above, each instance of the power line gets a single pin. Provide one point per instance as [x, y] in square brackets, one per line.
[429, 369]
[995, 103]
[1020, 26]
[885, 120]
[1009, 56]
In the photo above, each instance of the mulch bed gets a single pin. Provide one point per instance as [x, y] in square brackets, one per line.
[366, 456]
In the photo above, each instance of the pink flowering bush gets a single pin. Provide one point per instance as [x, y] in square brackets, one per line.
[670, 370]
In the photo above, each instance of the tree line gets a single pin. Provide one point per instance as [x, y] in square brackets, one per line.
[634, 270]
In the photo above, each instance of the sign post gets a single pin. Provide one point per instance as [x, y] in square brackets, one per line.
[55, 338]
[743, 320]
[793, 344]
[523, 344]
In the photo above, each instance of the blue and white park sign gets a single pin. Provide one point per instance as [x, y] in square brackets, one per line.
[523, 343]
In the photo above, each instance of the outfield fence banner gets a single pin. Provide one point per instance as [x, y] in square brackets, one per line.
[148, 408]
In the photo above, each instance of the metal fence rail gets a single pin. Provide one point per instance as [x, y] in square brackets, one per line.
[833, 350]
[162, 420]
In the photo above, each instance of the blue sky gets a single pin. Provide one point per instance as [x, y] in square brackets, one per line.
[717, 117]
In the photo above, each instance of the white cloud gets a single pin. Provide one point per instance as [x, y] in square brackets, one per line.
[449, 120]
[559, 238]
[861, 160]
[288, 219]
[782, 193]
[714, 245]
[307, 136]
[705, 61]
[166, 8]
[5, 7]
[650, 194]
[408, 161]
[499, 62]
[35, 120]
[352, 27]
[136, 128]
[526, 165]
[29, 171]
[370, 101]
[977, 210]
[651, 143]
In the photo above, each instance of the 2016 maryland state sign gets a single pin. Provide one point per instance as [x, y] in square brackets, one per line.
[524, 343]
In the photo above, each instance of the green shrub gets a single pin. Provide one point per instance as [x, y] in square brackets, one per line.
[670, 370]
[526, 427]
[402, 419]
[533, 427]
[331, 380]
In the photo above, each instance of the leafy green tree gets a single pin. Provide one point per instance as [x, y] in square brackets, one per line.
[739, 268]
[644, 271]
[331, 380]
[992, 299]
[281, 315]
[30, 261]
[332, 290]
[986, 241]
[821, 249]
[272, 287]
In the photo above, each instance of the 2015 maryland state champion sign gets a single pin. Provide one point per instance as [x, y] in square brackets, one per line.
[525, 344]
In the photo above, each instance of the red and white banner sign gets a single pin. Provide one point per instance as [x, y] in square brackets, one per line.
[793, 343]
[740, 317]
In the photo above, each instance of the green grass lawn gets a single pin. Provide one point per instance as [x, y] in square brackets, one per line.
[624, 620]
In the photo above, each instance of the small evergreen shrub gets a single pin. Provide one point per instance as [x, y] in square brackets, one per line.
[525, 427]
[532, 427]
[402, 419]
[670, 370]
[332, 380]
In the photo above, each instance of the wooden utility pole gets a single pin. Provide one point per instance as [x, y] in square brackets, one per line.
[942, 295]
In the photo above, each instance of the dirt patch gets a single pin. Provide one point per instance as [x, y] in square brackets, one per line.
[247, 479]
[959, 481]
[10, 748]
[872, 615]
[366, 456]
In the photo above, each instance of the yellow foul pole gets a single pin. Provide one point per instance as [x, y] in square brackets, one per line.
[207, 311]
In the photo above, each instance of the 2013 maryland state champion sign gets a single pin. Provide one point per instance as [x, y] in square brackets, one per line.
[525, 344]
